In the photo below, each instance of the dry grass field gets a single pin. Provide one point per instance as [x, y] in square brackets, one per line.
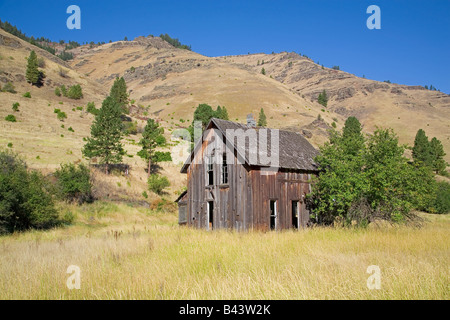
[126, 252]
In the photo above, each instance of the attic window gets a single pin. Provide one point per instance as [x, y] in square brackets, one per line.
[224, 169]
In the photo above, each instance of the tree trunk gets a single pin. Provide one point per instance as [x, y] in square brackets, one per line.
[106, 168]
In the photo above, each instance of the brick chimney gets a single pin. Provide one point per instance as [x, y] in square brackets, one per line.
[251, 123]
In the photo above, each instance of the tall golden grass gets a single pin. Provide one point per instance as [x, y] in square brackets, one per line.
[132, 253]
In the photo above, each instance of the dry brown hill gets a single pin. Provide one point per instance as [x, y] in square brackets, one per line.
[403, 108]
[173, 81]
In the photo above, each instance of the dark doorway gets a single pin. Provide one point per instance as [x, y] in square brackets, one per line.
[273, 214]
[295, 214]
[210, 209]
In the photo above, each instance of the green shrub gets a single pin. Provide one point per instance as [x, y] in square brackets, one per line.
[9, 87]
[10, 145]
[145, 194]
[16, 106]
[58, 92]
[10, 118]
[63, 90]
[75, 92]
[25, 202]
[74, 183]
[157, 183]
[70, 129]
[162, 156]
[27, 94]
[61, 116]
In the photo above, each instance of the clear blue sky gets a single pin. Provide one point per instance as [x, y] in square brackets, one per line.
[412, 47]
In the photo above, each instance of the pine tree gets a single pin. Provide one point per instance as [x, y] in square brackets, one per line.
[225, 113]
[33, 75]
[218, 113]
[262, 120]
[323, 99]
[263, 71]
[352, 136]
[221, 113]
[119, 93]
[203, 113]
[421, 152]
[150, 137]
[437, 156]
[106, 135]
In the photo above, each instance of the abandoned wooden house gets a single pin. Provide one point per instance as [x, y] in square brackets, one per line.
[245, 177]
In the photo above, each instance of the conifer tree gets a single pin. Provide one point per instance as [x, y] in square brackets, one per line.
[262, 120]
[203, 113]
[106, 135]
[33, 75]
[352, 135]
[437, 156]
[221, 113]
[421, 152]
[225, 113]
[323, 99]
[150, 137]
[218, 113]
[119, 93]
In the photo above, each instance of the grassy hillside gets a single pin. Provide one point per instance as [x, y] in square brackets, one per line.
[129, 252]
[45, 142]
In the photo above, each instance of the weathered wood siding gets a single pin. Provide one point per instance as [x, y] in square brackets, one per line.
[243, 203]
[232, 201]
[283, 187]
